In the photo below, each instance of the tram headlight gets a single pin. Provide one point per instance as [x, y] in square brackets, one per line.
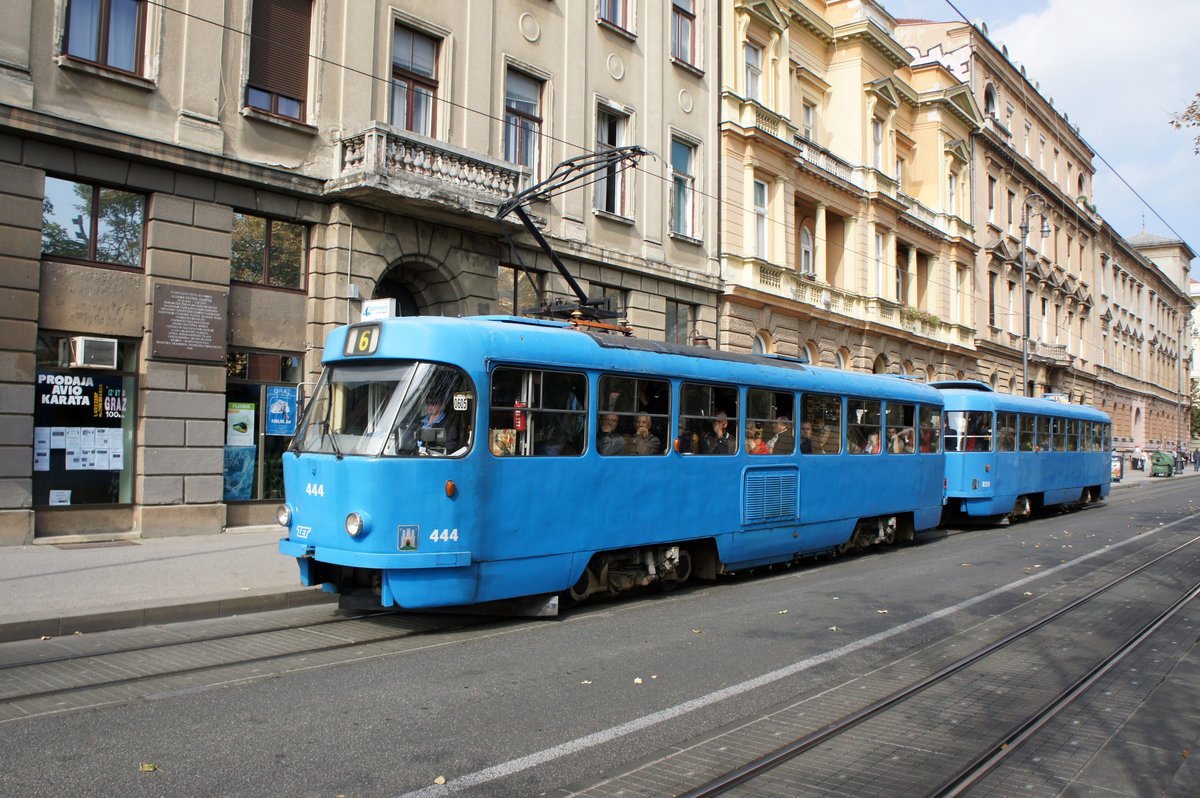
[283, 515]
[357, 524]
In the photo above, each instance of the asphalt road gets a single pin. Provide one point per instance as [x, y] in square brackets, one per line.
[533, 707]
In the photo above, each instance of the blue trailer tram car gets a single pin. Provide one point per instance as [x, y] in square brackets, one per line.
[449, 462]
[1009, 456]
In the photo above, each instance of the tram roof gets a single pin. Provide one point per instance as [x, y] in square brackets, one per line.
[971, 395]
[472, 341]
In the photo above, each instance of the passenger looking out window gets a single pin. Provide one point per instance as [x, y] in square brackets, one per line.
[823, 415]
[769, 412]
[635, 414]
[863, 426]
[930, 438]
[901, 419]
[968, 431]
[705, 421]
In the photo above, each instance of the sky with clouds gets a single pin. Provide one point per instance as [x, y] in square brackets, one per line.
[1118, 70]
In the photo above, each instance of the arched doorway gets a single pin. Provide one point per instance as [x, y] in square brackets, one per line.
[390, 286]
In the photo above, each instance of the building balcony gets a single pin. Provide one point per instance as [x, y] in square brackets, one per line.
[1051, 354]
[783, 286]
[817, 156]
[392, 168]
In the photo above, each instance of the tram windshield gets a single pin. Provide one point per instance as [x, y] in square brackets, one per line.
[395, 409]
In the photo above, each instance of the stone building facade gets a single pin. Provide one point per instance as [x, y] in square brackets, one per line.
[846, 237]
[1105, 315]
[193, 196]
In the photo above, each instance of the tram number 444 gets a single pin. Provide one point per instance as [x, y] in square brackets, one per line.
[315, 489]
[443, 535]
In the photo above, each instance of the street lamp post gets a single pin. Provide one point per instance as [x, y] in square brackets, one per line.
[1040, 201]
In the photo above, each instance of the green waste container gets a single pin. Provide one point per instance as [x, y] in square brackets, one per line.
[1162, 464]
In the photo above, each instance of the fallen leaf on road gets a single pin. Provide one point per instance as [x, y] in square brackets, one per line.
[783, 612]
[440, 780]
[147, 767]
[586, 681]
[881, 612]
[834, 629]
[638, 680]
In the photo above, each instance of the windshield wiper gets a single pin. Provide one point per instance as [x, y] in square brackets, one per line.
[332, 440]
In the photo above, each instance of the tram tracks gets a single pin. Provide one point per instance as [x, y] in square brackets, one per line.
[886, 747]
[82, 678]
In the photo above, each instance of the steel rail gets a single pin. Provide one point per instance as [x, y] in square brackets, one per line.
[779, 756]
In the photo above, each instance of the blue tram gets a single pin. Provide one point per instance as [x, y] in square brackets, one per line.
[445, 462]
[1012, 455]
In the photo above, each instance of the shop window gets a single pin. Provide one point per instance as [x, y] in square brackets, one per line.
[267, 252]
[260, 417]
[83, 424]
[89, 223]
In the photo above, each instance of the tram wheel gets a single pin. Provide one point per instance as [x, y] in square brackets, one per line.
[583, 588]
[683, 571]
[1022, 508]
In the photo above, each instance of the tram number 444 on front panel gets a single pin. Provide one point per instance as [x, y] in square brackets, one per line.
[315, 489]
[443, 535]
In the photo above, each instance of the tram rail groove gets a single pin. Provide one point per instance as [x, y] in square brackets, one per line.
[169, 643]
[46, 671]
[984, 763]
[988, 761]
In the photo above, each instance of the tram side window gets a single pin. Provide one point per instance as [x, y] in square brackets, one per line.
[1085, 436]
[537, 413]
[1059, 431]
[1107, 437]
[1073, 435]
[708, 419]
[1043, 434]
[1006, 432]
[1028, 433]
[824, 414]
[864, 419]
[901, 419]
[634, 416]
[931, 430]
[769, 422]
[968, 431]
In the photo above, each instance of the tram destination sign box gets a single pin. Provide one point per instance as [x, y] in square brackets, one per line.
[189, 323]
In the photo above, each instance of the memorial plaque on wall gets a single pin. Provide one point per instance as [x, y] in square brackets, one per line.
[189, 323]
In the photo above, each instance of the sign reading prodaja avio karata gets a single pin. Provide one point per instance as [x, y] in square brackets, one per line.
[82, 423]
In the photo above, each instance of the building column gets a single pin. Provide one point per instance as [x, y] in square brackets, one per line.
[889, 266]
[867, 283]
[910, 277]
[819, 248]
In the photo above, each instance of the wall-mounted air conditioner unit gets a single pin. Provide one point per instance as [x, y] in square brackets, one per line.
[93, 353]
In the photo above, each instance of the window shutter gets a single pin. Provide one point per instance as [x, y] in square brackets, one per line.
[279, 37]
